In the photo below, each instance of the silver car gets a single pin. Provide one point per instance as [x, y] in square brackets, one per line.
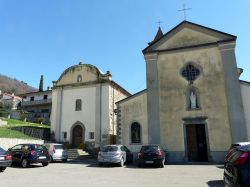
[57, 152]
[119, 154]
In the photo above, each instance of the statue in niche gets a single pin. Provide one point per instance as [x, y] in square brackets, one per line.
[193, 100]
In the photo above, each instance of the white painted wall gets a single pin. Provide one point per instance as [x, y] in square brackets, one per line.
[245, 92]
[85, 116]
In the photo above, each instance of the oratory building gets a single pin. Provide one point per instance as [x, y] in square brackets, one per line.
[194, 105]
[83, 107]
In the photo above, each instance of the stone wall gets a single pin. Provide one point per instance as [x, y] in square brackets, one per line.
[7, 143]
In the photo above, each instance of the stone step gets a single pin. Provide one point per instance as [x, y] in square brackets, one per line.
[76, 153]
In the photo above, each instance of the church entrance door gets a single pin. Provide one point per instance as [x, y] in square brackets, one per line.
[77, 136]
[196, 143]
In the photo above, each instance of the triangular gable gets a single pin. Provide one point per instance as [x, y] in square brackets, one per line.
[188, 34]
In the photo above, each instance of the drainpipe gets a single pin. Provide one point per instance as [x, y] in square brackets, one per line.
[113, 113]
[100, 138]
[60, 118]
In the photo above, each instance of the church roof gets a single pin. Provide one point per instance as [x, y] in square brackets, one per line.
[186, 24]
[158, 35]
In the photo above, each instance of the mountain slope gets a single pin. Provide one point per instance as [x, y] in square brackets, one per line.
[10, 85]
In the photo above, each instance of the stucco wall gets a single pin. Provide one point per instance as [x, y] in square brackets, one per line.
[134, 110]
[245, 91]
[211, 88]
[7, 143]
[88, 74]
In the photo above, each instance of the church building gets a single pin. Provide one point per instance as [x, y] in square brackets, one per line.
[83, 107]
[194, 105]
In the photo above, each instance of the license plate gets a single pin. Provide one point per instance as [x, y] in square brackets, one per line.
[2, 158]
[149, 162]
[42, 157]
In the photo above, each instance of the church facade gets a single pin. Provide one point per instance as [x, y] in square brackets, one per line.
[83, 107]
[194, 105]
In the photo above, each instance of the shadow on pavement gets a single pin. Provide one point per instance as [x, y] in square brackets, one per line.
[216, 183]
[32, 166]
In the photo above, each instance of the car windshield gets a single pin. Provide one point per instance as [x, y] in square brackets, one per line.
[109, 148]
[58, 146]
[147, 149]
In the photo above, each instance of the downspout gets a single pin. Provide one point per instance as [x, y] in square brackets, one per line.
[113, 113]
[60, 118]
[100, 138]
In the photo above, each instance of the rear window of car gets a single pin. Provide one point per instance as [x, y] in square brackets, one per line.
[147, 149]
[2, 150]
[109, 149]
[58, 146]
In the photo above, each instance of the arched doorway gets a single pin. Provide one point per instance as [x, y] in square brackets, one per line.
[78, 134]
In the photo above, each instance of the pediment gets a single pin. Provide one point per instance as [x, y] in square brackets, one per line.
[188, 34]
[81, 74]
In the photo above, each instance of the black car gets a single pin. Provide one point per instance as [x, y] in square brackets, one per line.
[26, 154]
[5, 159]
[237, 167]
[151, 154]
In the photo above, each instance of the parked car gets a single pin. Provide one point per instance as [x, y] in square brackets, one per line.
[151, 154]
[233, 148]
[5, 159]
[237, 167]
[119, 154]
[57, 152]
[26, 154]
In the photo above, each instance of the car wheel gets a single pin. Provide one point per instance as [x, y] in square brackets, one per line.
[25, 163]
[139, 165]
[121, 164]
[45, 164]
[2, 169]
[100, 164]
[162, 164]
[50, 159]
[64, 160]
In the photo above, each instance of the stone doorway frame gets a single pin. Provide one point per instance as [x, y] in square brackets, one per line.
[196, 121]
[72, 128]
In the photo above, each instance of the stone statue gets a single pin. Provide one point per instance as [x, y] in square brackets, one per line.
[193, 100]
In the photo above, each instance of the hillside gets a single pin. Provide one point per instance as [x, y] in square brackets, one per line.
[10, 85]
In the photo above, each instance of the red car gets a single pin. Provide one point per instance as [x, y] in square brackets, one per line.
[5, 159]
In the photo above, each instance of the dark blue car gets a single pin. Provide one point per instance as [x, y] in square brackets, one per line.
[5, 159]
[26, 154]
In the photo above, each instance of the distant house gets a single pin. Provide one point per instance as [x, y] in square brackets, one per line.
[9, 102]
[38, 105]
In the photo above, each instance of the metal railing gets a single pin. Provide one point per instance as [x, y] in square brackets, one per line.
[36, 102]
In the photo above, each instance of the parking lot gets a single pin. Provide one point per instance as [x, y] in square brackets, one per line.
[87, 173]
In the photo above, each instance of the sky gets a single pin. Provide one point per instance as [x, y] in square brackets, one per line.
[45, 37]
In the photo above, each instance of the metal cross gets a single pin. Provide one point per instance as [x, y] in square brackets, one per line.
[159, 22]
[184, 10]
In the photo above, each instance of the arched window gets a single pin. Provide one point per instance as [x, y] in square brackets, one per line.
[135, 133]
[78, 104]
[79, 78]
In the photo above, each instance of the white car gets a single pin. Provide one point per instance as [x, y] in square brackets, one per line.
[57, 152]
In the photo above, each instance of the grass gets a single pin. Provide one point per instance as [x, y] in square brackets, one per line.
[15, 123]
[7, 132]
